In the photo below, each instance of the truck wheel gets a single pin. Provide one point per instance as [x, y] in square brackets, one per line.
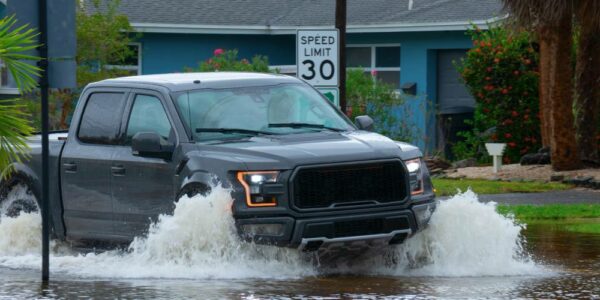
[17, 197]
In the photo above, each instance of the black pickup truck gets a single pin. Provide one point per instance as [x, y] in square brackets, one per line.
[301, 174]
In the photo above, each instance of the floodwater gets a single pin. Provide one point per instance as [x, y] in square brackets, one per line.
[468, 251]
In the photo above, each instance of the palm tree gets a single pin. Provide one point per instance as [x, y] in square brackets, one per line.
[551, 19]
[14, 128]
[587, 79]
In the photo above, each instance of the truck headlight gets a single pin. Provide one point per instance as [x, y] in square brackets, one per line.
[253, 183]
[415, 173]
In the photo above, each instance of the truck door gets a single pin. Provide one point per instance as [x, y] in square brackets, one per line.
[144, 187]
[86, 166]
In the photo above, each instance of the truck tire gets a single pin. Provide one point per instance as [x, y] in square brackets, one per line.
[14, 201]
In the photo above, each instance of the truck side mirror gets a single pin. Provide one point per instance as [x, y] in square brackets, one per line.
[364, 123]
[150, 144]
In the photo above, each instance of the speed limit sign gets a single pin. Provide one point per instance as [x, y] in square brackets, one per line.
[317, 54]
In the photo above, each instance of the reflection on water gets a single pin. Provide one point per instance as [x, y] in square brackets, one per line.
[555, 245]
[468, 251]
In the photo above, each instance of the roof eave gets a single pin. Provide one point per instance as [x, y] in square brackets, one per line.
[285, 30]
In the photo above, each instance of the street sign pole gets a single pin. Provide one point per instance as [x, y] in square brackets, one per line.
[43, 63]
[340, 24]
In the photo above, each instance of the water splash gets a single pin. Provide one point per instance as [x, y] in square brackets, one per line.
[465, 238]
[20, 235]
[197, 241]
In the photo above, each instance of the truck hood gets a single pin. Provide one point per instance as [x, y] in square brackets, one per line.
[288, 151]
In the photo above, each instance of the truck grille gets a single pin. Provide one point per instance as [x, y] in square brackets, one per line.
[369, 183]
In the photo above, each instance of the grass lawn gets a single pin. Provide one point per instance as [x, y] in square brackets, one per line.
[584, 228]
[582, 218]
[551, 211]
[448, 187]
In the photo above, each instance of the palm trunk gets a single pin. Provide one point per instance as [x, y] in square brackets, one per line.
[544, 86]
[562, 139]
[587, 76]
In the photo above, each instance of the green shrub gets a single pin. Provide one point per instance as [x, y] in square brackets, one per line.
[501, 72]
[103, 39]
[227, 60]
[87, 74]
[61, 104]
[366, 95]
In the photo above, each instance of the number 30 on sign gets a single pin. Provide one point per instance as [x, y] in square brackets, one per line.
[317, 54]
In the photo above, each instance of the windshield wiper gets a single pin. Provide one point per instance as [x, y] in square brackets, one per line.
[304, 125]
[233, 130]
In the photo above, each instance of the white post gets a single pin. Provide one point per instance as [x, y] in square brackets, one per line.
[495, 150]
[497, 163]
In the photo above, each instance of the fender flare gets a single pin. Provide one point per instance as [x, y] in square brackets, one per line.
[201, 180]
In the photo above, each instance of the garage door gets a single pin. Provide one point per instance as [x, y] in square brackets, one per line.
[455, 103]
[453, 96]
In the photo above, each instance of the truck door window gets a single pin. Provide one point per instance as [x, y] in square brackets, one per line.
[148, 115]
[101, 118]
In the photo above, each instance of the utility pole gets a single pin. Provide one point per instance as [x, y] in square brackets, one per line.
[340, 24]
[43, 63]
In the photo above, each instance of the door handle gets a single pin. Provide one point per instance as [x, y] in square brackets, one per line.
[117, 170]
[70, 167]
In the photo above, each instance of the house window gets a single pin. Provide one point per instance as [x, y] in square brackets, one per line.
[383, 59]
[284, 69]
[132, 63]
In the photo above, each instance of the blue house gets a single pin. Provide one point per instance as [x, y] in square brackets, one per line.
[405, 41]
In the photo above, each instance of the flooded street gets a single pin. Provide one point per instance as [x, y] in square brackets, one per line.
[468, 251]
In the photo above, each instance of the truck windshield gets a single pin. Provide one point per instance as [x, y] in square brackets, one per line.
[260, 110]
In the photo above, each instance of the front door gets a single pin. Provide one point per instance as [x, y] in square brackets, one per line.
[86, 167]
[143, 187]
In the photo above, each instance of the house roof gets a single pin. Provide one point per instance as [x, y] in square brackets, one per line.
[286, 16]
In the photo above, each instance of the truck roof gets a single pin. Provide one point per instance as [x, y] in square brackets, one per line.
[189, 81]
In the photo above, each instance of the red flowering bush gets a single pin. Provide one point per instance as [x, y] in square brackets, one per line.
[501, 72]
[227, 60]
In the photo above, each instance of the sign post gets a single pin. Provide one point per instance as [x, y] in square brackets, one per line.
[340, 24]
[318, 53]
[43, 11]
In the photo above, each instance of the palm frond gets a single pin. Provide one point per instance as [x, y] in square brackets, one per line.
[14, 43]
[14, 129]
[535, 13]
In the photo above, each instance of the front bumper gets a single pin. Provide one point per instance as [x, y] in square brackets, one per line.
[361, 230]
